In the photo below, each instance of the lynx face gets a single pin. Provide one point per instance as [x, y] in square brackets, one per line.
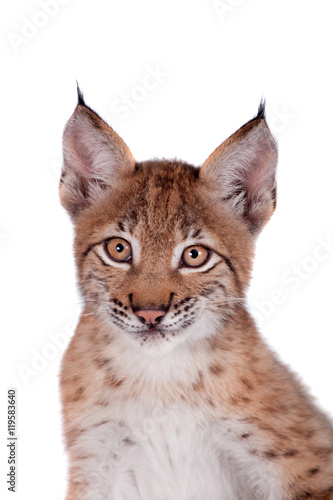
[164, 249]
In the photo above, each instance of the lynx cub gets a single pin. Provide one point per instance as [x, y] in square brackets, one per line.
[168, 391]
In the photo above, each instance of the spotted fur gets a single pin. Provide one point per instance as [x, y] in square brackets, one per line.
[197, 407]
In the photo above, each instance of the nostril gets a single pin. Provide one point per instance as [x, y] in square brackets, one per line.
[150, 316]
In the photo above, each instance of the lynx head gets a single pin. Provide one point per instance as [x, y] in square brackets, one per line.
[164, 249]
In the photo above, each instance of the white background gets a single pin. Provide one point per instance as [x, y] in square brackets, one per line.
[214, 63]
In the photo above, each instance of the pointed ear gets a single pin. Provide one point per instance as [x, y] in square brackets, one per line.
[242, 171]
[94, 157]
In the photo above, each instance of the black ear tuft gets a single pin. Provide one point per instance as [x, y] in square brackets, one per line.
[261, 110]
[80, 99]
[94, 158]
[241, 171]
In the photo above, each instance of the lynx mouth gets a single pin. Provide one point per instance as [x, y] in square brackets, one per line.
[162, 330]
[151, 329]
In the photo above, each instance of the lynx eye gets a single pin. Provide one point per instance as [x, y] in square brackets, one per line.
[195, 256]
[118, 249]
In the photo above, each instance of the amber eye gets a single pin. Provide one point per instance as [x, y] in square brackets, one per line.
[195, 256]
[118, 249]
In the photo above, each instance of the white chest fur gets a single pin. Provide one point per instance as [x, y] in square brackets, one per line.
[173, 458]
[167, 455]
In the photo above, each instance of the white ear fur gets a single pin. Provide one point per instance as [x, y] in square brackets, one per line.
[242, 169]
[94, 156]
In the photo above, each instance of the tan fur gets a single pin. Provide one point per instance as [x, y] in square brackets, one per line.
[230, 375]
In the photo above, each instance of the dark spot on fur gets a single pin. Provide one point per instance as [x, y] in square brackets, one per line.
[103, 422]
[309, 434]
[73, 434]
[112, 381]
[84, 457]
[196, 234]
[313, 471]
[322, 452]
[62, 176]
[290, 453]
[101, 362]
[216, 369]
[270, 454]
[121, 226]
[212, 343]
[199, 384]
[162, 181]
[102, 402]
[76, 396]
[266, 427]
[245, 436]
[132, 219]
[128, 441]
[247, 384]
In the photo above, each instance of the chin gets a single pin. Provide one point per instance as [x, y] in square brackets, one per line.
[153, 344]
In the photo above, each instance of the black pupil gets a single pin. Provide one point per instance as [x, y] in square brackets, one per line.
[194, 253]
[120, 247]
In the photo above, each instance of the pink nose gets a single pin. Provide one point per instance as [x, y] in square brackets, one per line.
[149, 316]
